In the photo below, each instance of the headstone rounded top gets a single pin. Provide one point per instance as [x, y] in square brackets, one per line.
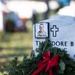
[62, 17]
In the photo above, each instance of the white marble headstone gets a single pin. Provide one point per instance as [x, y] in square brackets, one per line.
[60, 30]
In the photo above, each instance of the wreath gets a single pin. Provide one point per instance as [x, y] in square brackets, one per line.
[49, 61]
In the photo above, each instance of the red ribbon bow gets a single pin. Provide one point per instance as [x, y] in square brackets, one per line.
[47, 63]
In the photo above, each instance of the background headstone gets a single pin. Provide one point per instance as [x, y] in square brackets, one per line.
[1, 19]
[2, 9]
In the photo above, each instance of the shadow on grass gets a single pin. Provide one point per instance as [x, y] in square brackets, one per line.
[12, 55]
[20, 50]
[15, 48]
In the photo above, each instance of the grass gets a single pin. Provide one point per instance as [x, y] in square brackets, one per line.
[16, 44]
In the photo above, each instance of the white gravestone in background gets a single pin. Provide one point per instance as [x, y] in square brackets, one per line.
[2, 8]
[60, 30]
[1, 16]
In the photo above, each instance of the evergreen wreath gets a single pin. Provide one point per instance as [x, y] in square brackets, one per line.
[64, 65]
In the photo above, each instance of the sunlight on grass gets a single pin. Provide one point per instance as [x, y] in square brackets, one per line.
[16, 44]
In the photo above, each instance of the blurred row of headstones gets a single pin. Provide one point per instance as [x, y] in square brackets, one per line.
[47, 14]
[15, 21]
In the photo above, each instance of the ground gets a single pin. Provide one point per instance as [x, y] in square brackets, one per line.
[16, 44]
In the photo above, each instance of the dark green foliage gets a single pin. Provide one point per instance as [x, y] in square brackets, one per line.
[28, 65]
[16, 69]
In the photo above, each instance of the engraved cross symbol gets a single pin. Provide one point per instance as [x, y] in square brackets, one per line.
[54, 30]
